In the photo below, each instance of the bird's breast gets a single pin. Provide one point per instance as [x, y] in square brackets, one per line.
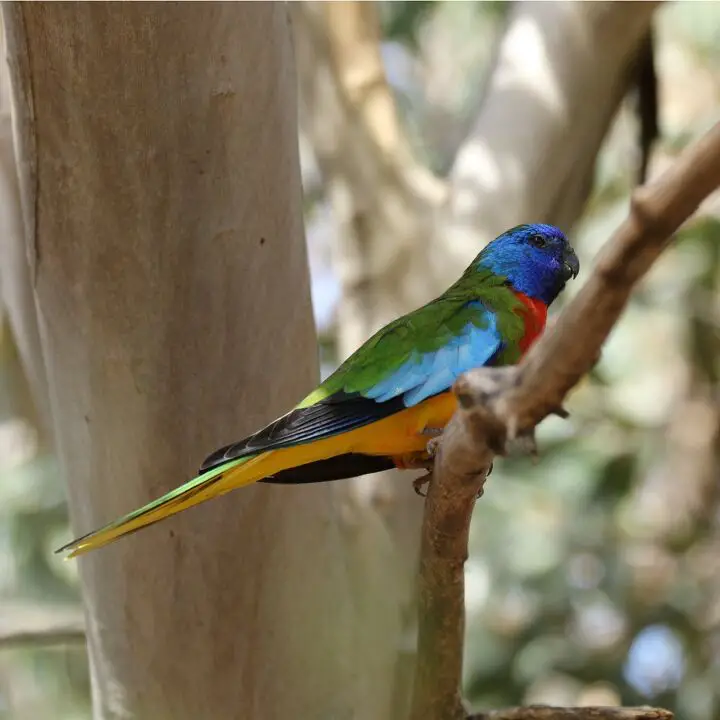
[535, 317]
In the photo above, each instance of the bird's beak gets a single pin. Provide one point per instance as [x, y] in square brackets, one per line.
[571, 265]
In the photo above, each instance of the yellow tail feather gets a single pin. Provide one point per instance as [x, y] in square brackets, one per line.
[206, 486]
[395, 435]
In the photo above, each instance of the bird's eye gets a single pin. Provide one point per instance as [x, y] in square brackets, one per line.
[538, 241]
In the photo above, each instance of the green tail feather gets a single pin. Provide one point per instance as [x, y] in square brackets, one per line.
[148, 514]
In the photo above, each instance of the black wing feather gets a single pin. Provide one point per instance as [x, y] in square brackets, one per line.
[339, 467]
[336, 414]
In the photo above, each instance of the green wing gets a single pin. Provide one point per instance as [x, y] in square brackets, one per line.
[481, 300]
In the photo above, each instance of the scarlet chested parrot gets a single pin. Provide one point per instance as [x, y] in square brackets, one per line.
[377, 409]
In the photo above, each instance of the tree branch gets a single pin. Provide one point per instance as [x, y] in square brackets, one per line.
[500, 404]
[359, 135]
[353, 45]
[546, 712]
[18, 261]
[29, 624]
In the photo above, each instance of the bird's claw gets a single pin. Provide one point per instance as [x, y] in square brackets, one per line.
[433, 432]
[433, 446]
[420, 483]
[426, 460]
[421, 460]
[414, 461]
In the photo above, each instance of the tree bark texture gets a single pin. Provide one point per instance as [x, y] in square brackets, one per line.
[15, 286]
[157, 147]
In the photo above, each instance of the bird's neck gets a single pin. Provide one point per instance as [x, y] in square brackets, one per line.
[536, 281]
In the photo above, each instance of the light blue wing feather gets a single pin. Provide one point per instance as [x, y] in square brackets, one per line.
[412, 373]
[425, 374]
[466, 335]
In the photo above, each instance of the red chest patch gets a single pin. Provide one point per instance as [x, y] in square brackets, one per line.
[535, 316]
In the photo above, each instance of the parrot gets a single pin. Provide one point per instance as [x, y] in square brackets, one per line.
[379, 408]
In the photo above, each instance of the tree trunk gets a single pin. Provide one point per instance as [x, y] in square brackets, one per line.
[15, 286]
[157, 149]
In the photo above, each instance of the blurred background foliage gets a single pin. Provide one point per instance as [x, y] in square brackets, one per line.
[594, 575]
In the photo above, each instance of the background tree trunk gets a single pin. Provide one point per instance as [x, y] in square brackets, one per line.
[160, 183]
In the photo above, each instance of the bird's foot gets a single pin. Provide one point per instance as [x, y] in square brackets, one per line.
[422, 460]
[413, 461]
[433, 446]
[421, 482]
[427, 460]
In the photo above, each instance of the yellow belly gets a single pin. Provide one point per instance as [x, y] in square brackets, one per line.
[398, 435]
[403, 432]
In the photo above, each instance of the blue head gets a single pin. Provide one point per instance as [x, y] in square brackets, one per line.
[536, 259]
